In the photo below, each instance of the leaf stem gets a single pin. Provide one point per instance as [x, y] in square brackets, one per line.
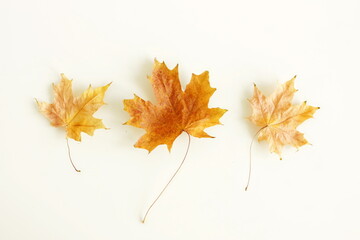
[252, 141]
[68, 147]
[173, 176]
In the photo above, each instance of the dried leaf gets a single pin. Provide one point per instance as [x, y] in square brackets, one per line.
[278, 118]
[74, 113]
[176, 110]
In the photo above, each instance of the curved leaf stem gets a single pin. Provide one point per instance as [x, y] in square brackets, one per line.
[68, 147]
[173, 176]
[252, 141]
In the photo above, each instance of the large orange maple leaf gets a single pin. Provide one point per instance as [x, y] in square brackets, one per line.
[176, 110]
[278, 118]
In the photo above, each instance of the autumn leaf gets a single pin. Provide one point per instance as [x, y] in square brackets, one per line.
[176, 111]
[74, 114]
[279, 118]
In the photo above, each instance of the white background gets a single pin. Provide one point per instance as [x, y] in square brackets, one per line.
[312, 194]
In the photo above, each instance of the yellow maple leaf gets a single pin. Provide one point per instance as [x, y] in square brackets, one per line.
[74, 113]
[176, 110]
[278, 118]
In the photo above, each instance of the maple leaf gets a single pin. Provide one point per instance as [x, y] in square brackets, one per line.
[74, 113]
[176, 110]
[278, 118]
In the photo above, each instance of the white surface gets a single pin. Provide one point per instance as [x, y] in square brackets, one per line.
[311, 194]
